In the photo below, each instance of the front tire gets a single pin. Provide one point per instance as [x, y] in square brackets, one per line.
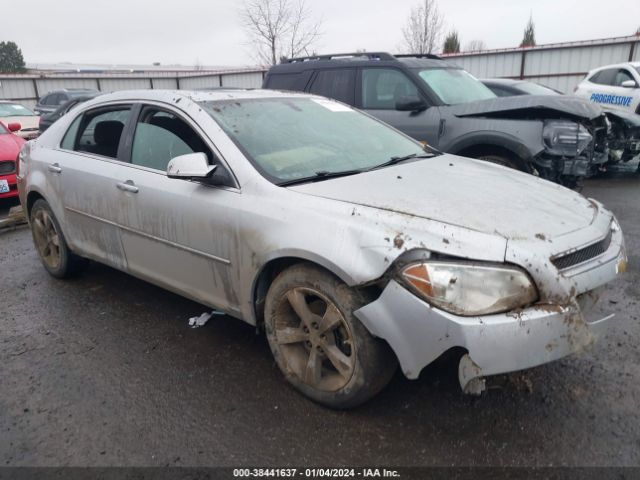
[499, 160]
[50, 243]
[320, 346]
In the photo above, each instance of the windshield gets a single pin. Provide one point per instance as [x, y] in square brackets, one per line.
[536, 89]
[455, 86]
[295, 138]
[14, 110]
[2, 129]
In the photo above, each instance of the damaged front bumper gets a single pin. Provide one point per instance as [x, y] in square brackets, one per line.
[419, 333]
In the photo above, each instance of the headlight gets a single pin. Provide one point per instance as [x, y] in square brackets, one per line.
[470, 289]
[565, 138]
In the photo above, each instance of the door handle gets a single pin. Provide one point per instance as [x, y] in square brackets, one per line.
[54, 168]
[127, 186]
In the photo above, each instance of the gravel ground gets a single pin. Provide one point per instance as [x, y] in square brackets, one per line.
[103, 370]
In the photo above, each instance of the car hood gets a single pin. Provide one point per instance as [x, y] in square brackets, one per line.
[466, 193]
[524, 106]
[10, 146]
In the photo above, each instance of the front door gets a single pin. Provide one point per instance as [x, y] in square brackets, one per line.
[380, 89]
[179, 234]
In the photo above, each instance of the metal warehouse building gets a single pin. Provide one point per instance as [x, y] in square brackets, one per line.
[557, 65]
[28, 88]
[560, 66]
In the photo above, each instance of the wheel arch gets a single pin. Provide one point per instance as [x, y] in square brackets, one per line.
[32, 197]
[486, 144]
[277, 264]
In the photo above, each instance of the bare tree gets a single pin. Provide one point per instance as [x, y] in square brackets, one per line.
[423, 31]
[279, 28]
[475, 46]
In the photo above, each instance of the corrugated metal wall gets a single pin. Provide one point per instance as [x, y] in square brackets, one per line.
[27, 89]
[560, 66]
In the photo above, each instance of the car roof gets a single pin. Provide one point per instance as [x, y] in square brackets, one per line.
[617, 65]
[360, 59]
[174, 96]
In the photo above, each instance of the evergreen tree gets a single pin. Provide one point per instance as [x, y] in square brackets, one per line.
[11, 60]
[529, 38]
[451, 43]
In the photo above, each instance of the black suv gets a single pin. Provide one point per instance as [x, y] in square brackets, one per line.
[52, 100]
[561, 139]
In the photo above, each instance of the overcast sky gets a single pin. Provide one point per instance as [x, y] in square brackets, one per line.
[208, 32]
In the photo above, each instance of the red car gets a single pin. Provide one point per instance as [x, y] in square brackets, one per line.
[10, 146]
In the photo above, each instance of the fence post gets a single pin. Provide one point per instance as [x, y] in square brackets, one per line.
[35, 89]
[522, 62]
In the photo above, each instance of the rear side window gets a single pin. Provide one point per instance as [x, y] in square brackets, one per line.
[283, 81]
[100, 130]
[69, 140]
[383, 87]
[336, 84]
[161, 136]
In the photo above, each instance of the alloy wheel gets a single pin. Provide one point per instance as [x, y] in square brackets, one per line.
[314, 339]
[46, 238]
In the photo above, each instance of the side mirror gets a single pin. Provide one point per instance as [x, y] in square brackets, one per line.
[410, 103]
[191, 165]
[629, 84]
[14, 127]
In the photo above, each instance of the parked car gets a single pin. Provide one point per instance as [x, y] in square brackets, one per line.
[624, 130]
[52, 100]
[613, 86]
[10, 146]
[47, 120]
[352, 245]
[506, 87]
[436, 102]
[16, 113]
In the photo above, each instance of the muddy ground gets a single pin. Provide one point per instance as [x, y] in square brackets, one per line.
[103, 370]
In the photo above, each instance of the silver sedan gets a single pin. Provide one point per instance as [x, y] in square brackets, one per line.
[353, 246]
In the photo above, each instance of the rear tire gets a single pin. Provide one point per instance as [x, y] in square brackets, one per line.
[50, 243]
[320, 346]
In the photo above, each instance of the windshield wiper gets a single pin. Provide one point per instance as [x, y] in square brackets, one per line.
[395, 160]
[319, 176]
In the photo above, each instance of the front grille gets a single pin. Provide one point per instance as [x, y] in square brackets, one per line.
[7, 167]
[582, 255]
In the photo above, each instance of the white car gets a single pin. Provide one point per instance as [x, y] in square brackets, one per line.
[613, 86]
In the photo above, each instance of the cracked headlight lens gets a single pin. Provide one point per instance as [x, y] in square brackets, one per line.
[565, 138]
[470, 289]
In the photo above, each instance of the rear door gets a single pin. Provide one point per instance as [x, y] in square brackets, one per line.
[177, 233]
[87, 167]
[379, 88]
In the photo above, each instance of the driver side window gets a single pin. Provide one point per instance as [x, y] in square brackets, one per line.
[383, 87]
[161, 136]
[622, 76]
